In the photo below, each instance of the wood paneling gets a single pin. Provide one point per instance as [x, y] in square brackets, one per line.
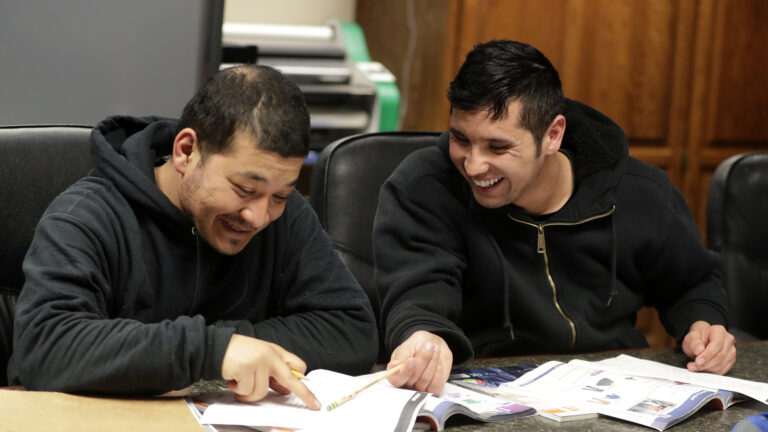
[729, 108]
[411, 38]
[483, 20]
[739, 111]
[685, 79]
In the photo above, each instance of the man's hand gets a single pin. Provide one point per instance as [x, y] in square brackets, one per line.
[711, 348]
[427, 360]
[251, 366]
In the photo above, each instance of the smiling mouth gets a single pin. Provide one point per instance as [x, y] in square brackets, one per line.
[234, 228]
[237, 228]
[486, 183]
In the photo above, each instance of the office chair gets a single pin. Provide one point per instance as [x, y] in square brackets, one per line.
[344, 191]
[36, 164]
[737, 210]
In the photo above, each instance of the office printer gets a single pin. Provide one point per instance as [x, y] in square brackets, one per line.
[346, 92]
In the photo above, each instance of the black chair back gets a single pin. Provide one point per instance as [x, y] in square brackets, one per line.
[36, 164]
[737, 227]
[344, 192]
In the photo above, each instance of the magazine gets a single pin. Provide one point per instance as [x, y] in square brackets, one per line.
[458, 400]
[654, 402]
[381, 407]
[488, 380]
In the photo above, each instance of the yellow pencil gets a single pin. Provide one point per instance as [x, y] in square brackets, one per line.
[389, 373]
[299, 375]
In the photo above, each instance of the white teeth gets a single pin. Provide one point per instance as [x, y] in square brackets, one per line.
[486, 183]
[236, 228]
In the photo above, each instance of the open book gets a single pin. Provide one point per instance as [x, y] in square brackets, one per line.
[457, 400]
[379, 408]
[617, 388]
[489, 380]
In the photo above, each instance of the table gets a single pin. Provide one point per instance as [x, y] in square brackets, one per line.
[172, 414]
[751, 363]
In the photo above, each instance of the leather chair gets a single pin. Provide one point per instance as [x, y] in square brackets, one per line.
[737, 211]
[344, 191]
[36, 164]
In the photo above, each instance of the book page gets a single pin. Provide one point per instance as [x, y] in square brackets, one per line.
[651, 402]
[489, 380]
[377, 408]
[483, 406]
[638, 367]
[457, 400]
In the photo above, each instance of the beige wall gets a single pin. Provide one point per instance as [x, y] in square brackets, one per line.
[305, 12]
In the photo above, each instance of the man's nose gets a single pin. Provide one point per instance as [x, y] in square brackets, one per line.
[256, 213]
[475, 163]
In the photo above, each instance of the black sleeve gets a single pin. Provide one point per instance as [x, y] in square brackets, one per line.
[64, 338]
[324, 316]
[419, 266]
[682, 276]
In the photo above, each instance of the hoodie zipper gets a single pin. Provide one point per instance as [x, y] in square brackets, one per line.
[541, 248]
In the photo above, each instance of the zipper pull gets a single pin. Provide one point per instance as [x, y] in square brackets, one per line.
[541, 246]
[194, 231]
[510, 330]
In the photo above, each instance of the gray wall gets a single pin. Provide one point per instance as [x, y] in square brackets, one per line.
[299, 12]
[78, 61]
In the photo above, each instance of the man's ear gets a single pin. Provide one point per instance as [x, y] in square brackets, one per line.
[554, 135]
[185, 150]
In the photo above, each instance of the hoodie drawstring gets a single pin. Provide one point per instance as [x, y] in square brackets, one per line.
[508, 327]
[614, 246]
[196, 292]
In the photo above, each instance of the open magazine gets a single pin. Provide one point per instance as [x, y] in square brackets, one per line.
[379, 408]
[489, 380]
[654, 402]
[457, 400]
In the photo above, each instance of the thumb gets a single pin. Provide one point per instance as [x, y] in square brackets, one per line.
[401, 354]
[696, 340]
[400, 357]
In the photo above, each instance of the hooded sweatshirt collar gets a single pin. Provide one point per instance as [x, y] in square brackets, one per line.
[125, 149]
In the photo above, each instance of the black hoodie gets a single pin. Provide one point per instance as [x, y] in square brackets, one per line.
[121, 296]
[496, 282]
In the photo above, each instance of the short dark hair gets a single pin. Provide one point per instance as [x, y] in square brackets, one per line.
[498, 72]
[252, 98]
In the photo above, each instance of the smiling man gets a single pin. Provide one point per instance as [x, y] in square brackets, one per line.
[187, 254]
[528, 230]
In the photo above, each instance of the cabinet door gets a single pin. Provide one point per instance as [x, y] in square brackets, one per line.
[729, 105]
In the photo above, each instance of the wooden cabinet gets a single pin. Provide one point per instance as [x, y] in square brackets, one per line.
[685, 79]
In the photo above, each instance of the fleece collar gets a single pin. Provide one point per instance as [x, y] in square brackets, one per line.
[125, 150]
[596, 143]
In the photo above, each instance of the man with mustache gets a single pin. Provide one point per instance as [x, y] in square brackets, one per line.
[187, 254]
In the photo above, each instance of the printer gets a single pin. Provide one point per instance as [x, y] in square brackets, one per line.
[345, 91]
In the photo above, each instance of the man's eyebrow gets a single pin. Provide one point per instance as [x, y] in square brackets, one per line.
[256, 177]
[252, 175]
[456, 132]
[490, 140]
[503, 141]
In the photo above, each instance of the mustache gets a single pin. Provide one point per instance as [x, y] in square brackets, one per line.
[239, 223]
